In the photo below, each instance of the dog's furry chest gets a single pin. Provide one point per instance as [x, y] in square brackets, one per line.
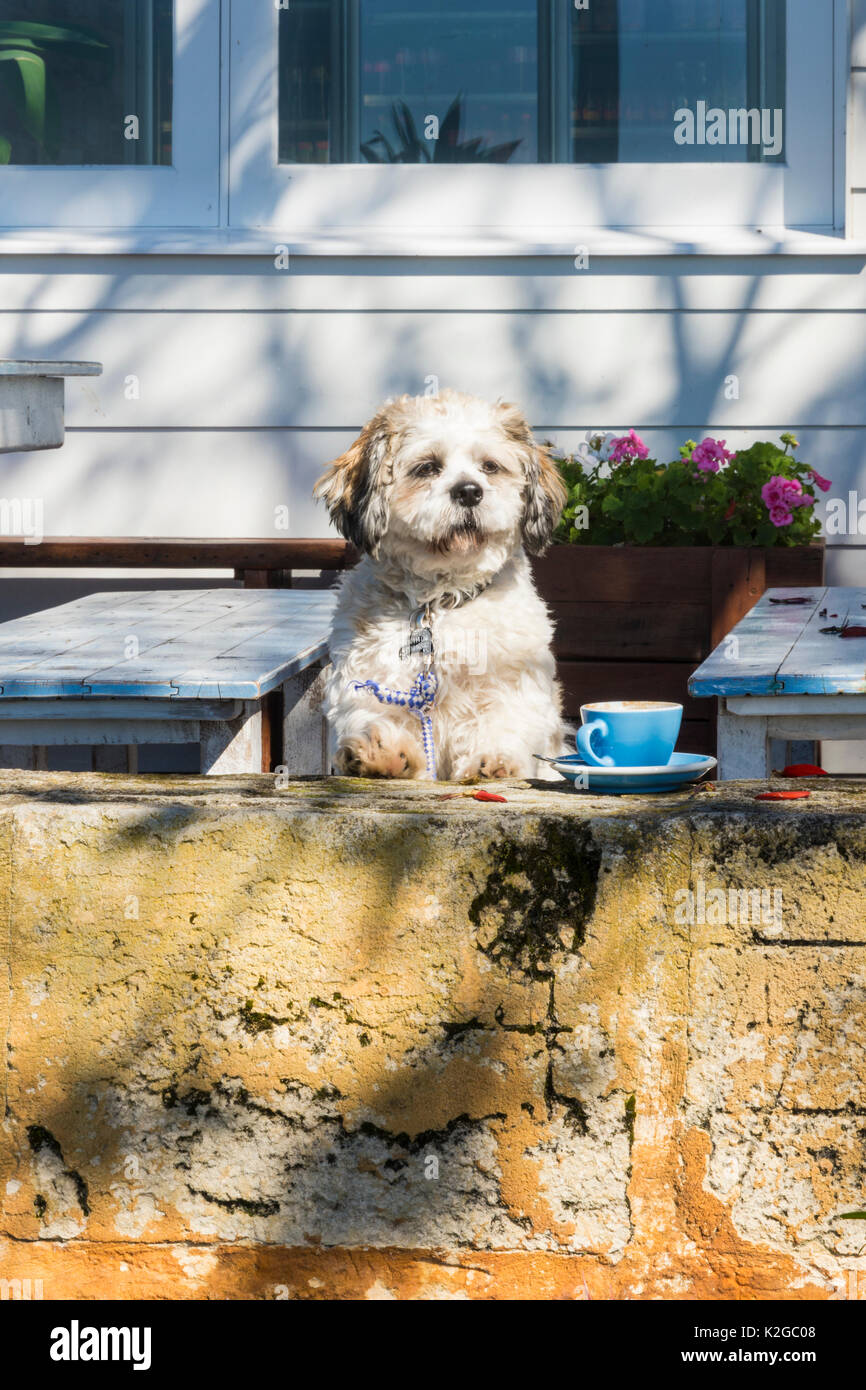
[503, 631]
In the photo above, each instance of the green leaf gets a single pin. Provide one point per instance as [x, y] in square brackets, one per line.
[31, 69]
[23, 33]
[852, 1216]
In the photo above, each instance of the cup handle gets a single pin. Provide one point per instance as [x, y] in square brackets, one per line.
[584, 743]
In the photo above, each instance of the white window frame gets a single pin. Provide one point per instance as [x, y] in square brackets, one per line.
[543, 201]
[183, 194]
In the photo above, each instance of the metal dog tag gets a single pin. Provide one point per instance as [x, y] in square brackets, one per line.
[420, 644]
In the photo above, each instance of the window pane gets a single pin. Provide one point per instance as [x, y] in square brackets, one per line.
[409, 81]
[473, 68]
[85, 81]
[311, 35]
[525, 81]
[661, 81]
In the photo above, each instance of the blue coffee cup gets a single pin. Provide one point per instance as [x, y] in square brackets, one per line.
[629, 733]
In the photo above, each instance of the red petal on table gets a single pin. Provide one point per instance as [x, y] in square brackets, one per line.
[781, 796]
[487, 796]
[853, 632]
[804, 770]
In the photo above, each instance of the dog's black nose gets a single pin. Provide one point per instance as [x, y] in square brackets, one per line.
[467, 494]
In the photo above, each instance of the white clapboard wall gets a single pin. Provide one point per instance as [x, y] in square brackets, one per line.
[228, 384]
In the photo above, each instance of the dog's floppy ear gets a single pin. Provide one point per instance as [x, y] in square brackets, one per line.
[545, 498]
[353, 488]
[544, 492]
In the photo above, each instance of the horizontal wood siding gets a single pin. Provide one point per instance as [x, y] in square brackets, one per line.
[648, 631]
[326, 370]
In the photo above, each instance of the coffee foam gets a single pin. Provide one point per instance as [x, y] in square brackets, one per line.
[623, 706]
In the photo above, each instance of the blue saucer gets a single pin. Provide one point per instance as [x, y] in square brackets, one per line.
[621, 781]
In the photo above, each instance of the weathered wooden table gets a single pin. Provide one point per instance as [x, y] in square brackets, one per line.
[167, 666]
[779, 675]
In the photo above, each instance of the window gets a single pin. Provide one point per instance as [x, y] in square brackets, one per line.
[109, 112]
[526, 81]
[364, 82]
[466, 119]
[456, 120]
[85, 83]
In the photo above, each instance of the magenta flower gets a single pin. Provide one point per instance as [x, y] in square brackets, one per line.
[823, 483]
[795, 496]
[782, 496]
[626, 447]
[772, 493]
[711, 454]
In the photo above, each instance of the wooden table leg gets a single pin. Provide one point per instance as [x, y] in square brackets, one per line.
[743, 747]
[233, 745]
[305, 732]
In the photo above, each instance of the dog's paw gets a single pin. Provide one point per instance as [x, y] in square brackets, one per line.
[384, 751]
[488, 766]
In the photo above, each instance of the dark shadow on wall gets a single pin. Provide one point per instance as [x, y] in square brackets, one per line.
[300, 1159]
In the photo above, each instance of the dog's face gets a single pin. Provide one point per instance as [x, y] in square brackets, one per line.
[438, 481]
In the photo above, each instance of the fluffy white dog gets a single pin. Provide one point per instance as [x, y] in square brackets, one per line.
[444, 495]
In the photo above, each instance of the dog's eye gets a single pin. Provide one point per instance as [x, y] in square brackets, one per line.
[428, 468]
[490, 466]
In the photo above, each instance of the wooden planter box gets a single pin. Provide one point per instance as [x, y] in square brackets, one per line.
[633, 622]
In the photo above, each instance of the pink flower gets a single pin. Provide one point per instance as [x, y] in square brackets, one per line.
[823, 483]
[711, 454]
[626, 447]
[794, 496]
[785, 493]
[782, 496]
[772, 492]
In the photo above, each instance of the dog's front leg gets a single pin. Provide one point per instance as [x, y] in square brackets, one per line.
[499, 762]
[387, 747]
[502, 740]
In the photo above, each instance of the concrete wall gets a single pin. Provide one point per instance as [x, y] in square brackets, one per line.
[357, 1042]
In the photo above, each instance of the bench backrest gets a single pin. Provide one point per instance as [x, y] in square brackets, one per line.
[258, 564]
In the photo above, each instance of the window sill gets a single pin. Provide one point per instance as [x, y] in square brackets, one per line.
[415, 243]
